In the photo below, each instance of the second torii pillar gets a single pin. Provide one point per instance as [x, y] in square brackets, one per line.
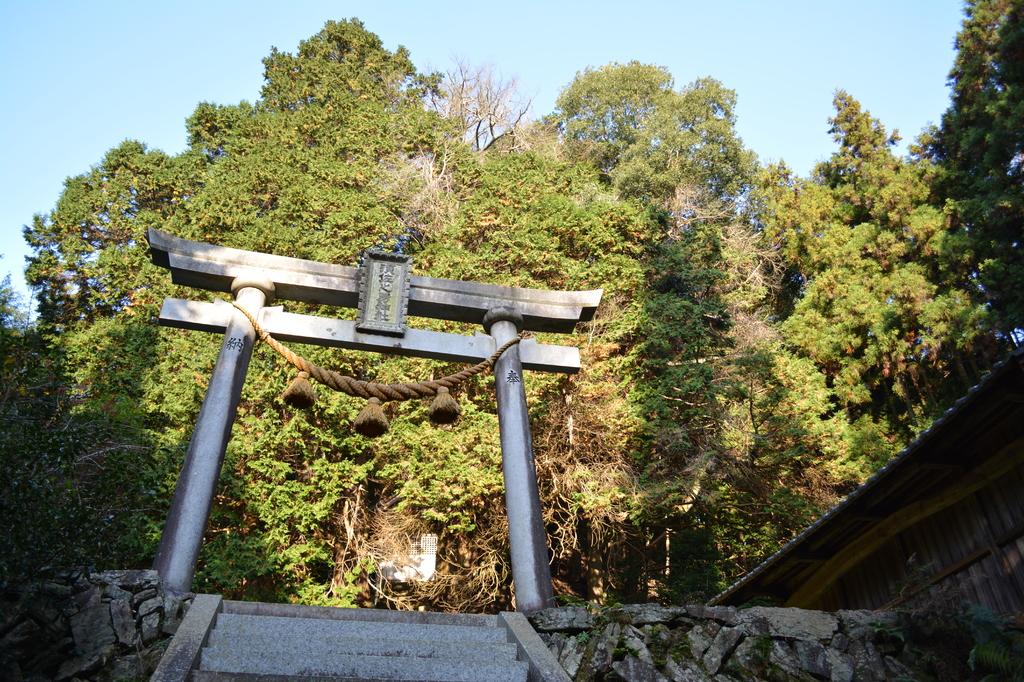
[531, 572]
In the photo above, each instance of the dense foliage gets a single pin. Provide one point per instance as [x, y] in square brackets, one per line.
[980, 150]
[765, 341]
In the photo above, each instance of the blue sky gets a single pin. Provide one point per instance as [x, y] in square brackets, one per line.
[79, 77]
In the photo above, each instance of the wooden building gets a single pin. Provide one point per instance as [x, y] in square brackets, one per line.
[948, 510]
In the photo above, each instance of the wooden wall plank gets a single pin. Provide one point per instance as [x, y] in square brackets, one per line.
[1007, 496]
[1014, 553]
[861, 550]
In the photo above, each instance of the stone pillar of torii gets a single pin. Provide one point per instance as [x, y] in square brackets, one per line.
[385, 291]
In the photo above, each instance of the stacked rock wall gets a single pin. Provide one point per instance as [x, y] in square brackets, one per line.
[652, 643]
[115, 625]
[102, 626]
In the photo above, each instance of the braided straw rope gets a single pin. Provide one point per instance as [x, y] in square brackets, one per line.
[370, 389]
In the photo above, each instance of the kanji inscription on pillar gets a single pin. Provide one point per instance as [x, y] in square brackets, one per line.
[383, 293]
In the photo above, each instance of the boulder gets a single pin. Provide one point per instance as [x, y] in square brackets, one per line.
[125, 669]
[83, 665]
[175, 606]
[782, 659]
[650, 614]
[92, 630]
[726, 615]
[123, 622]
[562, 619]
[865, 625]
[114, 593]
[633, 642]
[47, 660]
[813, 659]
[150, 605]
[793, 623]
[132, 580]
[605, 646]
[840, 665]
[150, 627]
[47, 614]
[701, 636]
[721, 647]
[143, 595]
[685, 671]
[86, 598]
[750, 658]
[56, 589]
[897, 669]
[21, 639]
[570, 655]
[867, 662]
[633, 669]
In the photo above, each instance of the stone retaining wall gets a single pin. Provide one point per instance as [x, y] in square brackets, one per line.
[652, 643]
[114, 625]
[101, 626]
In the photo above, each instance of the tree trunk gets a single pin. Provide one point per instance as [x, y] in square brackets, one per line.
[593, 559]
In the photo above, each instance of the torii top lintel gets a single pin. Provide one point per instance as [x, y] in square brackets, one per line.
[207, 266]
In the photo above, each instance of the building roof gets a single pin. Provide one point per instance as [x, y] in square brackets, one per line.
[974, 429]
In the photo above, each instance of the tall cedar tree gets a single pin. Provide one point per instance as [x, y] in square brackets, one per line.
[980, 148]
[870, 300]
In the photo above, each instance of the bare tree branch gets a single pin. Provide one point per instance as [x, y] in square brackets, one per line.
[487, 107]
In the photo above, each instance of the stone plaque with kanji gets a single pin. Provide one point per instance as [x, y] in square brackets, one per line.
[383, 293]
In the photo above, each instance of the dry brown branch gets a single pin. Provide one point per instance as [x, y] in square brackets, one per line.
[588, 483]
[424, 186]
[472, 572]
[486, 106]
[348, 538]
[693, 204]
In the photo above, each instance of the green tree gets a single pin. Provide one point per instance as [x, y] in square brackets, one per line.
[677, 152]
[602, 112]
[980, 148]
[652, 140]
[870, 300]
[700, 433]
[72, 483]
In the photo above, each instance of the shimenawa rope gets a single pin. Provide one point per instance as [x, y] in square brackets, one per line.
[369, 389]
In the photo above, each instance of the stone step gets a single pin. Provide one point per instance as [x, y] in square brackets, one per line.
[241, 626]
[249, 608]
[367, 646]
[330, 664]
[249, 642]
[213, 676]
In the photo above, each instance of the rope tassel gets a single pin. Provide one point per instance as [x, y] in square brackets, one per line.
[444, 409]
[372, 421]
[300, 392]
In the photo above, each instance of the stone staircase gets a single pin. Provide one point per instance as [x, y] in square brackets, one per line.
[250, 641]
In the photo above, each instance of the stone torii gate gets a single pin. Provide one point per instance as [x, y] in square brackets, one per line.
[383, 286]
